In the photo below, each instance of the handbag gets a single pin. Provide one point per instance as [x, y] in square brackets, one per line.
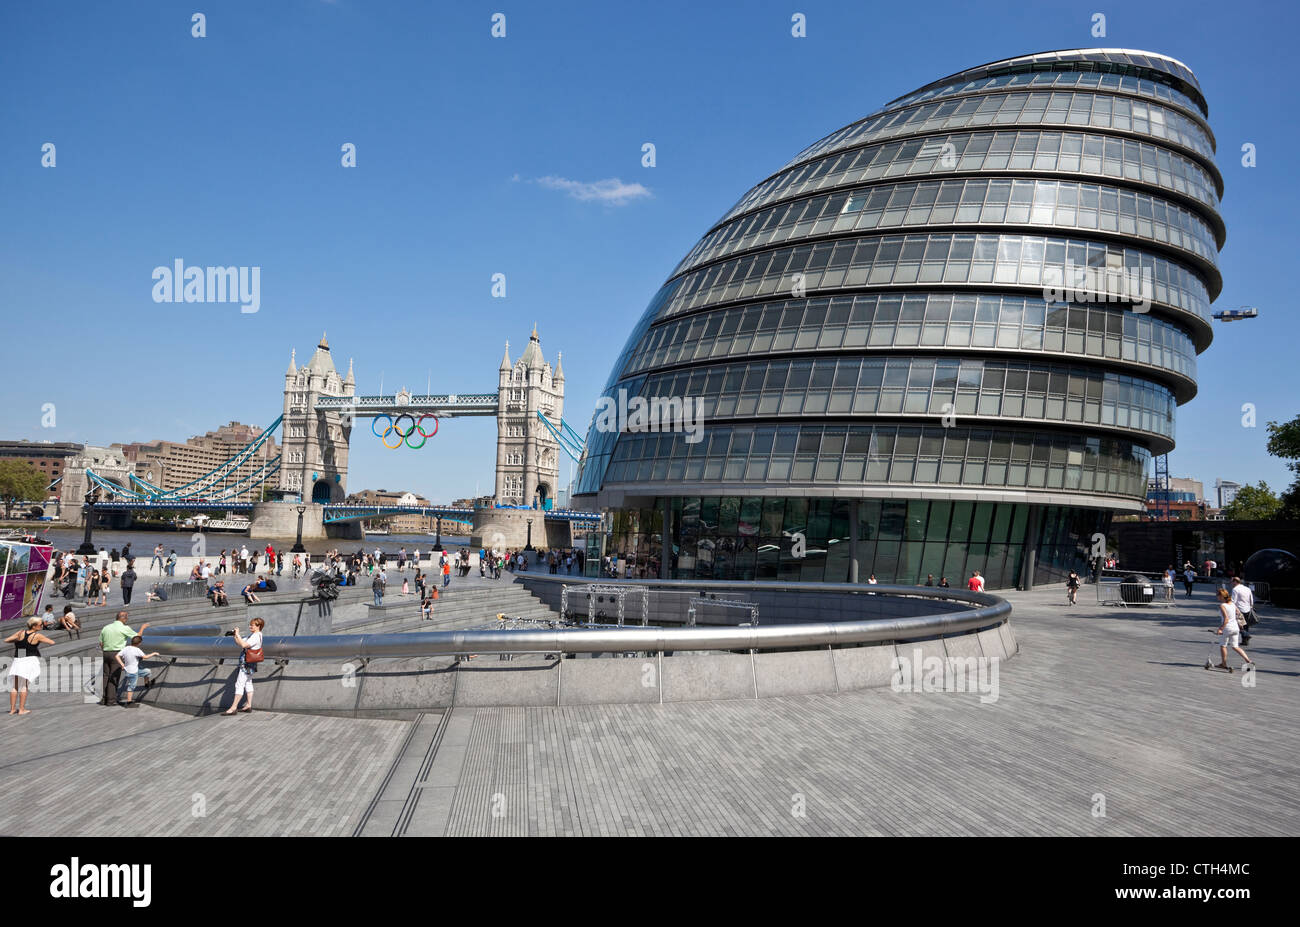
[253, 655]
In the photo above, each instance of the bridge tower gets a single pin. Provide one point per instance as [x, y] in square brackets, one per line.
[314, 445]
[528, 456]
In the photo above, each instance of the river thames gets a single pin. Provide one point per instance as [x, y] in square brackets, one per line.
[183, 542]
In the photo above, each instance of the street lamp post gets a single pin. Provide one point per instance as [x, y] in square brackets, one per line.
[529, 545]
[437, 541]
[297, 545]
[87, 548]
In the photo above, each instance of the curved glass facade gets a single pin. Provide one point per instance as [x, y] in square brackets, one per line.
[946, 337]
[996, 153]
[991, 323]
[1033, 203]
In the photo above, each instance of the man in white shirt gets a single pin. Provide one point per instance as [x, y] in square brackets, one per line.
[1243, 600]
[205, 570]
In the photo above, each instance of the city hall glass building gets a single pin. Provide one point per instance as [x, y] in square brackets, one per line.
[914, 343]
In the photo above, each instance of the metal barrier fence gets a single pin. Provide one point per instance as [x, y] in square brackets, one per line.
[187, 589]
[596, 593]
[1146, 593]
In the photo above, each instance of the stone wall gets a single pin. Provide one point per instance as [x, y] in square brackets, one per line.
[394, 687]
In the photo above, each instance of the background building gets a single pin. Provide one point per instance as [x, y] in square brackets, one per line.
[394, 524]
[916, 343]
[1185, 498]
[1225, 491]
[49, 458]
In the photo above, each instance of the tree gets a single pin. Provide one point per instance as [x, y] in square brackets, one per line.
[1253, 503]
[20, 482]
[1284, 442]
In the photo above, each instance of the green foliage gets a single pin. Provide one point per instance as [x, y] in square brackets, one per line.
[1284, 442]
[20, 482]
[1253, 503]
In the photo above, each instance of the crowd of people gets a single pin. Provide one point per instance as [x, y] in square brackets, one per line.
[241, 560]
[90, 577]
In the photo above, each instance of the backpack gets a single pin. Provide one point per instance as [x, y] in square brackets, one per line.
[270, 585]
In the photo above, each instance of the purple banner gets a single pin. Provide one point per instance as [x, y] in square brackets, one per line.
[40, 560]
[12, 593]
[23, 586]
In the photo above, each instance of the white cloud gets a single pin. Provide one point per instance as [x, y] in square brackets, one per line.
[611, 192]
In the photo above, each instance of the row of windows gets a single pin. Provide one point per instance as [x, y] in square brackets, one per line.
[1058, 80]
[1080, 108]
[938, 258]
[823, 520]
[878, 454]
[1103, 60]
[887, 320]
[995, 202]
[918, 386]
[980, 152]
[745, 538]
[898, 541]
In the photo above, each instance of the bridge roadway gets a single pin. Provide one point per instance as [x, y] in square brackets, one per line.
[442, 405]
[1108, 702]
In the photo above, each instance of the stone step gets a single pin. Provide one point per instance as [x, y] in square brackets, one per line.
[477, 612]
[163, 614]
[412, 622]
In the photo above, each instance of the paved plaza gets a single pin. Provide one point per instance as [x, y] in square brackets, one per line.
[1101, 705]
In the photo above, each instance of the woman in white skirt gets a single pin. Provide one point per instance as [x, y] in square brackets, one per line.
[244, 678]
[1229, 633]
[27, 663]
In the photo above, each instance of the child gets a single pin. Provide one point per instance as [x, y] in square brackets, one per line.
[406, 587]
[426, 610]
[129, 658]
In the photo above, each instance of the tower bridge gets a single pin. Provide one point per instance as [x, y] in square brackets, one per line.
[318, 417]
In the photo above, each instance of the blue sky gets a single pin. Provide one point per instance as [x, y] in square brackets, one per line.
[226, 150]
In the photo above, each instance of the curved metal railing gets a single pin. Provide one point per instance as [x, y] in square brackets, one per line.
[990, 610]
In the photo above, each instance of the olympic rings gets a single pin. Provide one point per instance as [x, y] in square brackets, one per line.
[416, 427]
[409, 431]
